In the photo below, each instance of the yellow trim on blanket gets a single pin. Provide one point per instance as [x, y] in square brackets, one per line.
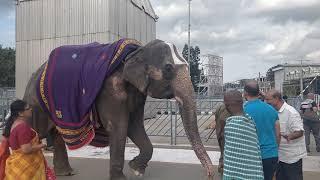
[70, 132]
[81, 136]
[122, 46]
[43, 96]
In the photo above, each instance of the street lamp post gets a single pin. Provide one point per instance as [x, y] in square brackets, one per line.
[301, 79]
[189, 29]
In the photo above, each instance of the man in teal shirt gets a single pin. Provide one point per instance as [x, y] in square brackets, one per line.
[268, 127]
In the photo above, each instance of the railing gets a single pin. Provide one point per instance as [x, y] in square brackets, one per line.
[162, 118]
[163, 122]
[4, 107]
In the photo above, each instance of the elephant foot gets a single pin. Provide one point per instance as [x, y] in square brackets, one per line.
[138, 169]
[63, 172]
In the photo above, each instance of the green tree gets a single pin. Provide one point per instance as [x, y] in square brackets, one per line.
[7, 67]
[194, 64]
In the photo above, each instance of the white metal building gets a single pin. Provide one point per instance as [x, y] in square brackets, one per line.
[42, 25]
[211, 79]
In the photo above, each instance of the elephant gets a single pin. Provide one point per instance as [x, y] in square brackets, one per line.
[156, 70]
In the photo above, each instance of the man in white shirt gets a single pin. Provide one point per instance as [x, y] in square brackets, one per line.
[292, 148]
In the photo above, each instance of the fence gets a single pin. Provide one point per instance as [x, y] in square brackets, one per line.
[6, 97]
[163, 122]
[296, 101]
[4, 107]
[162, 119]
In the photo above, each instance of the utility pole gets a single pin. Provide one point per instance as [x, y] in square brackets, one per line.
[301, 79]
[189, 29]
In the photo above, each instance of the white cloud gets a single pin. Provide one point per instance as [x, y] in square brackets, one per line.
[262, 5]
[314, 55]
[250, 42]
[171, 11]
[12, 15]
[267, 48]
[230, 34]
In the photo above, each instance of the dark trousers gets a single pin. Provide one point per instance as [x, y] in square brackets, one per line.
[315, 128]
[290, 171]
[269, 167]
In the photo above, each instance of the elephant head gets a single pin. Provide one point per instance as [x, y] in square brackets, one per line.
[157, 70]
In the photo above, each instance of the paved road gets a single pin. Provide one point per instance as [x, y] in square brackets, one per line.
[97, 169]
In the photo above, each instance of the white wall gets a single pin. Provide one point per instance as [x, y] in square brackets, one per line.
[42, 25]
[279, 79]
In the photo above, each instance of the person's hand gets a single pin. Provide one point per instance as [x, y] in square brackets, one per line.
[212, 125]
[42, 146]
[287, 137]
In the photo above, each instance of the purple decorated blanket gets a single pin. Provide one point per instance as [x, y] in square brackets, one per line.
[70, 83]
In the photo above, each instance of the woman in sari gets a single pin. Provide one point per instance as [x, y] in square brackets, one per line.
[26, 161]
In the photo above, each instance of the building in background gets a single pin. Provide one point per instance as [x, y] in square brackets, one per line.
[211, 78]
[264, 84]
[42, 25]
[286, 78]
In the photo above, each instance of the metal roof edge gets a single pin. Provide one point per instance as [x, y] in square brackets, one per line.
[146, 7]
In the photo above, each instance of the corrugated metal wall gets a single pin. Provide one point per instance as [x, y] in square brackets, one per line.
[42, 25]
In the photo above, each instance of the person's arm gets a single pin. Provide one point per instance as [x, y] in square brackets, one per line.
[277, 128]
[295, 126]
[28, 148]
[24, 138]
[293, 135]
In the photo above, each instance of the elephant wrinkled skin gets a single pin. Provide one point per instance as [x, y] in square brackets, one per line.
[156, 70]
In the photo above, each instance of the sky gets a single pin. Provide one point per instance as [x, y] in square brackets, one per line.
[251, 35]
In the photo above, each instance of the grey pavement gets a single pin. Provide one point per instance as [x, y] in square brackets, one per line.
[97, 169]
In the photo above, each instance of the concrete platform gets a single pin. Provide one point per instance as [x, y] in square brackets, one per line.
[166, 164]
[97, 169]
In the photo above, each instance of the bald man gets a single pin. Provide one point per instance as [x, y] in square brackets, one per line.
[268, 127]
[292, 145]
[242, 156]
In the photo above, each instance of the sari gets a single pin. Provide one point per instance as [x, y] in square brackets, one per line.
[33, 166]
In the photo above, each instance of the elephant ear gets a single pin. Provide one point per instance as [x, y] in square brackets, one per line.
[135, 70]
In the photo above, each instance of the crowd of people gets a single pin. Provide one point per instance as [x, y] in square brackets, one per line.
[263, 137]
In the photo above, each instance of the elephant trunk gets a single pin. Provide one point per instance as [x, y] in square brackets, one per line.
[184, 94]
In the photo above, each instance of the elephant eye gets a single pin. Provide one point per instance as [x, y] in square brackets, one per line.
[168, 68]
[168, 72]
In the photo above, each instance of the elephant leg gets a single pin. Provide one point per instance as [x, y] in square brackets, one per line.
[138, 135]
[60, 157]
[115, 118]
[117, 147]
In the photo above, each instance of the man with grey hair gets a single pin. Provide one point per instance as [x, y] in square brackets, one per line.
[292, 144]
[310, 120]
